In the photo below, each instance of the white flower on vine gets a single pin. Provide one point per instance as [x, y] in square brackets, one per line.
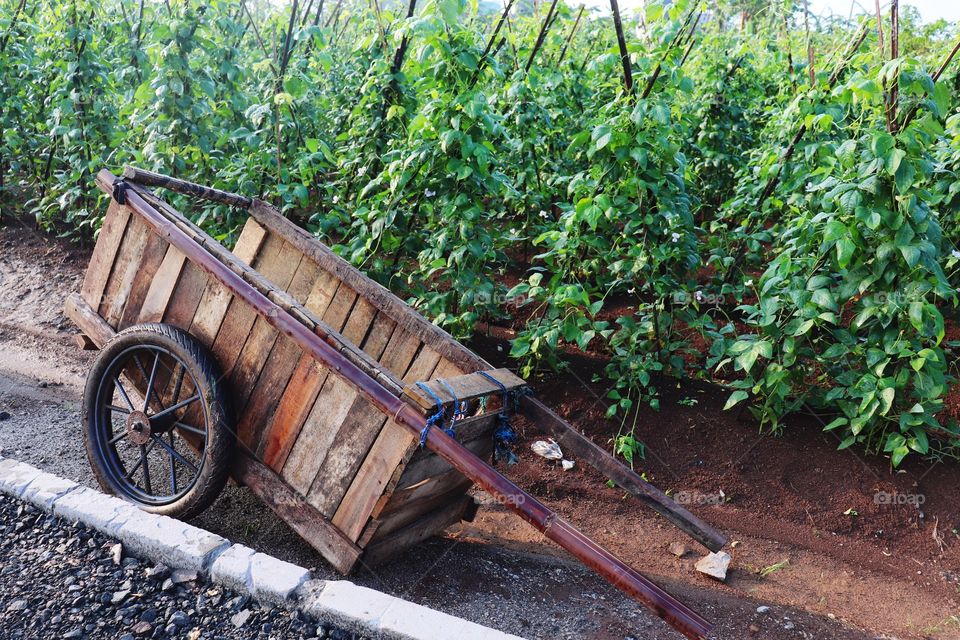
[362, 171]
[336, 199]
[544, 214]
[429, 193]
[699, 296]
[674, 237]
[748, 283]
[955, 254]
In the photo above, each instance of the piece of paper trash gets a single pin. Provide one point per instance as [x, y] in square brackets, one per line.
[549, 450]
[567, 464]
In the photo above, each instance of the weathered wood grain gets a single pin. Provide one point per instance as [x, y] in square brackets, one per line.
[162, 286]
[104, 254]
[393, 545]
[150, 261]
[295, 405]
[186, 296]
[464, 387]
[216, 298]
[124, 271]
[302, 518]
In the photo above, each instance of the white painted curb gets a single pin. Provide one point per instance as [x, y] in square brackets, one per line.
[179, 545]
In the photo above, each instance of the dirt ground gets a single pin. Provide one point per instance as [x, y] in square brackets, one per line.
[837, 545]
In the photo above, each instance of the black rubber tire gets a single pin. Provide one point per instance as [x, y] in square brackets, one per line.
[215, 467]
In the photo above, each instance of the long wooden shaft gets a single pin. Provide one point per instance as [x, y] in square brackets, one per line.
[151, 179]
[525, 505]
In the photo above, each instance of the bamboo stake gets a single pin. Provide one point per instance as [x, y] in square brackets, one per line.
[936, 76]
[542, 35]
[677, 37]
[13, 25]
[573, 31]
[894, 54]
[810, 56]
[490, 43]
[622, 45]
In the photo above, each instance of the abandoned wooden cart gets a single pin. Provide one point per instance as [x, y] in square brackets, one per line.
[279, 364]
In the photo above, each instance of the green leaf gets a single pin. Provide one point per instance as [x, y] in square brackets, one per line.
[735, 398]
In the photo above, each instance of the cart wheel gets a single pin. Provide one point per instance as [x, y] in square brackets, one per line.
[156, 426]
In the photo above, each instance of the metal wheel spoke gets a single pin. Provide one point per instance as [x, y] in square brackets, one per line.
[173, 467]
[146, 469]
[179, 383]
[117, 409]
[191, 429]
[123, 392]
[153, 378]
[175, 407]
[174, 454]
[129, 474]
[118, 437]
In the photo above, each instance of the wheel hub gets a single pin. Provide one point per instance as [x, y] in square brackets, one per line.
[138, 428]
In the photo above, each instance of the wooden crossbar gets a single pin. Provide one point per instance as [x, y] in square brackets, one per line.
[466, 387]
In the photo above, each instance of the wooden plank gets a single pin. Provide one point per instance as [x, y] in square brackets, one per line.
[338, 312]
[376, 466]
[153, 255]
[216, 298]
[424, 492]
[298, 398]
[413, 511]
[433, 465]
[312, 527]
[406, 317]
[91, 324]
[104, 254]
[273, 379]
[124, 271]
[322, 293]
[466, 430]
[391, 546]
[318, 433]
[186, 296]
[278, 269]
[162, 287]
[463, 387]
[301, 286]
[380, 332]
[359, 323]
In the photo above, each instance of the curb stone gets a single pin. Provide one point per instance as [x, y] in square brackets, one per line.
[179, 545]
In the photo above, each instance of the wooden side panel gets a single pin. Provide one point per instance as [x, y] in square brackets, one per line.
[186, 296]
[390, 546]
[124, 271]
[153, 255]
[216, 298]
[162, 287]
[375, 464]
[104, 254]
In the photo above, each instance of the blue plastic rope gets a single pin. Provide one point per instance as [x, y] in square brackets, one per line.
[435, 418]
[459, 408]
[504, 436]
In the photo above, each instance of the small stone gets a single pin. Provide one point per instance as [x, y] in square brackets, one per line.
[678, 549]
[179, 618]
[142, 628]
[126, 636]
[159, 572]
[171, 629]
[167, 585]
[180, 576]
[119, 596]
[788, 625]
[714, 565]
[754, 628]
[149, 615]
[194, 634]
[116, 552]
[74, 634]
[17, 605]
[240, 619]
[763, 609]
[4, 416]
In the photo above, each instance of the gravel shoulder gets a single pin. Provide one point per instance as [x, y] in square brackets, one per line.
[63, 580]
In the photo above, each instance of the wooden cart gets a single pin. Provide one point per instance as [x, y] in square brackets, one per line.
[332, 392]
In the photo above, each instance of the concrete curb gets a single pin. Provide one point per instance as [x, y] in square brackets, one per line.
[179, 545]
